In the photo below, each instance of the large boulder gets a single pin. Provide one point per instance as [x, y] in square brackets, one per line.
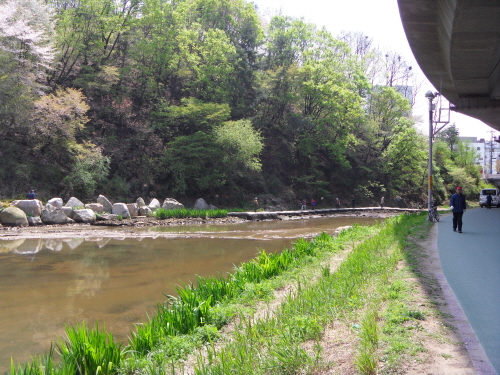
[84, 215]
[32, 207]
[74, 202]
[140, 202]
[68, 211]
[121, 209]
[133, 209]
[172, 204]
[106, 204]
[56, 202]
[96, 207]
[34, 221]
[54, 215]
[200, 204]
[154, 204]
[144, 211]
[13, 217]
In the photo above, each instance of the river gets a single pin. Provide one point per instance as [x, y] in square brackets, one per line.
[47, 283]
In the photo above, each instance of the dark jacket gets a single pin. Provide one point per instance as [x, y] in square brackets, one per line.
[458, 203]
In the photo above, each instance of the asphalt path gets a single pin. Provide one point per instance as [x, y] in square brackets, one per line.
[470, 262]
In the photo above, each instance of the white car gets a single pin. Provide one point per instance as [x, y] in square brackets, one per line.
[495, 197]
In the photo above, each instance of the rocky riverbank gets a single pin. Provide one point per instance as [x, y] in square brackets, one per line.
[108, 228]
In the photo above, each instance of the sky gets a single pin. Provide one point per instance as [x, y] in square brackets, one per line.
[380, 20]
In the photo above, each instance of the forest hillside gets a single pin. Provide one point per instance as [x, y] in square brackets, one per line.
[207, 98]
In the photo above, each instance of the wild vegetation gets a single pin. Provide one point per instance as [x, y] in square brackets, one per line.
[204, 98]
[162, 213]
[368, 292]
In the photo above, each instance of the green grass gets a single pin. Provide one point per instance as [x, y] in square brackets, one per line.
[365, 289]
[162, 213]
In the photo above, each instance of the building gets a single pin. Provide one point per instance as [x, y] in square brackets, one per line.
[488, 154]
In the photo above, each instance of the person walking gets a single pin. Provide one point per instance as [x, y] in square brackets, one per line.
[337, 203]
[304, 204]
[382, 201]
[313, 204]
[488, 201]
[255, 204]
[458, 205]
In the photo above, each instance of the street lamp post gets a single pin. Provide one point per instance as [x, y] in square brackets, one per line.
[430, 95]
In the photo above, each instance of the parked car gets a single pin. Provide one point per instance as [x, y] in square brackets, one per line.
[495, 197]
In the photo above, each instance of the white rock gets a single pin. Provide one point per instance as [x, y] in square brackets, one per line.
[74, 202]
[144, 211]
[154, 204]
[56, 202]
[172, 204]
[54, 215]
[121, 209]
[31, 207]
[96, 207]
[106, 204]
[84, 215]
[133, 209]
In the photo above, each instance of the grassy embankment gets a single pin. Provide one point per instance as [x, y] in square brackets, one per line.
[366, 291]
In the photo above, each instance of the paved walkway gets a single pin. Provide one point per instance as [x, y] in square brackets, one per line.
[471, 264]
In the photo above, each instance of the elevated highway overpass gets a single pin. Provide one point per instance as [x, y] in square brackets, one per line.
[457, 45]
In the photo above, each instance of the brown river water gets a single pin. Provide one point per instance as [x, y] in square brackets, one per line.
[117, 277]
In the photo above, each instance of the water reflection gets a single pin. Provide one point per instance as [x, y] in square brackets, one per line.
[46, 283]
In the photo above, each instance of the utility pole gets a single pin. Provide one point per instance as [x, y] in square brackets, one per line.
[430, 96]
[491, 151]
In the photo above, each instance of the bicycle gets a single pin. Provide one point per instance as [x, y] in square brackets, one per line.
[433, 215]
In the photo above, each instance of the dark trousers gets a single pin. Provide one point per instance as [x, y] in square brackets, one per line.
[457, 220]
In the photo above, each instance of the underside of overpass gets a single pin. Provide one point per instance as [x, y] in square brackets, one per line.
[457, 45]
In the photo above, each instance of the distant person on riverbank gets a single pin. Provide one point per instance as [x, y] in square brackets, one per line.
[304, 204]
[353, 201]
[255, 204]
[382, 201]
[31, 194]
[458, 206]
[313, 204]
[337, 202]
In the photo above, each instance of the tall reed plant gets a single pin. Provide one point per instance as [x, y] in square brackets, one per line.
[90, 351]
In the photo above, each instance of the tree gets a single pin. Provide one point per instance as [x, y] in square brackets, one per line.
[450, 136]
[26, 53]
[191, 116]
[241, 145]
[193, 163]
[89, 33]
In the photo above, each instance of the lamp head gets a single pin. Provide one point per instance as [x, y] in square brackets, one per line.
[429, 95]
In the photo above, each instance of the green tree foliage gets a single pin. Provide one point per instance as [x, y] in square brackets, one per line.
[89, 168]
[241, 145]
[191, 116]
[455, 166]
[89, 34]
[450, 136]
[193, 164]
